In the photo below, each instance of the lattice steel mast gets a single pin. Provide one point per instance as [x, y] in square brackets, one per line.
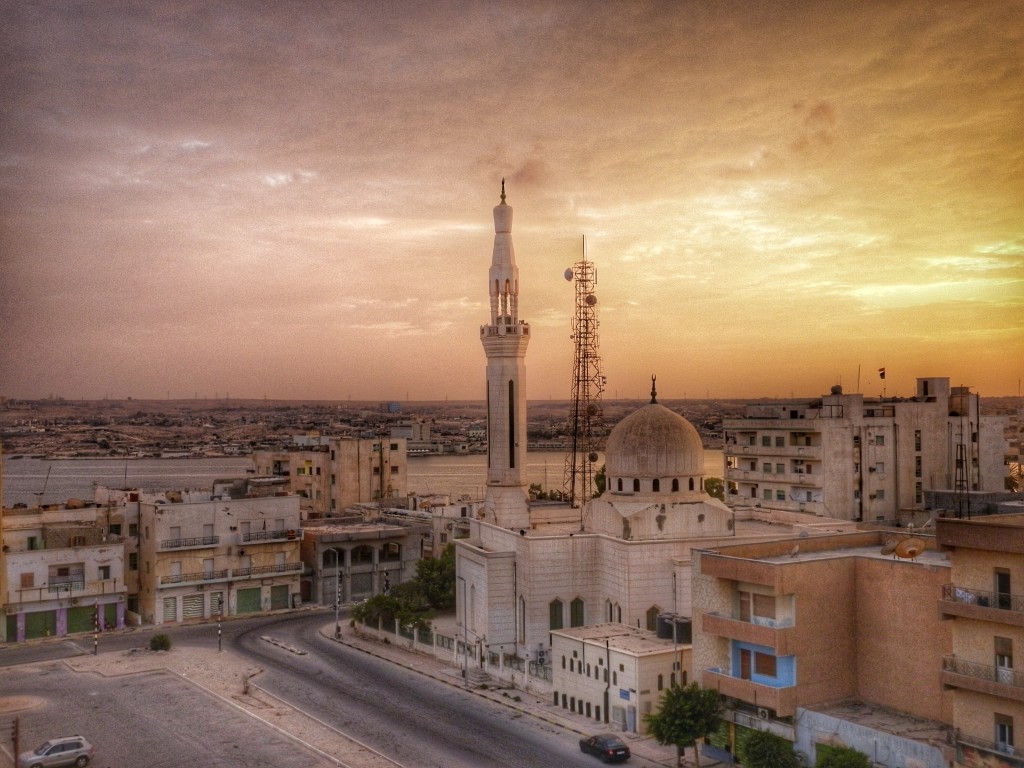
[585, 415]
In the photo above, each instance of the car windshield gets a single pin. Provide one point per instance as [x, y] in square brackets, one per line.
[43, 748]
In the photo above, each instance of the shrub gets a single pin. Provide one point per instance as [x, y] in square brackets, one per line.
[762, 749]
[841, 757]
[160, 643]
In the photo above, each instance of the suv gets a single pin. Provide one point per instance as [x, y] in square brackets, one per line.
[66, 750]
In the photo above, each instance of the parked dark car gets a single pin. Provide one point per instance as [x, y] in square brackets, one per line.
[607, 746]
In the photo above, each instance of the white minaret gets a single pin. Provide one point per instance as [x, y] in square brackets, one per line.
[505, 339]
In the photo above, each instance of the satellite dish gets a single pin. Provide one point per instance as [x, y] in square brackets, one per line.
[909, 549]
[568, 274]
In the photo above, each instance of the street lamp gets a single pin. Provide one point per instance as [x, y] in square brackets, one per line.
[337, 591]
[465, 638]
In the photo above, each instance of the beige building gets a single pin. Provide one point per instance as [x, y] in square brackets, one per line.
[331, 474]
[864, 459]
[984, 669]
[615, 674]
[206, 555]
[63, 570]
[783, 631]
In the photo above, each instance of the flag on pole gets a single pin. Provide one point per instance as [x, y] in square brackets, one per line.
[881, 373]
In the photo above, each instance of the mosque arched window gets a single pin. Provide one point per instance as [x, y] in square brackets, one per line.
[522, 620]
[652, 618]
[636, 485]
[555, 620]
[656, 485]
[619, 484]
[576, 612]
[691, 483]
[675, 484]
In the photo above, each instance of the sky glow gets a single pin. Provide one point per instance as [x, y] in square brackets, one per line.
[293, 200]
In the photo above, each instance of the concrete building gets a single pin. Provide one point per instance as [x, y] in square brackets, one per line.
[614, 673]
[864, 459]
[331, 474]
[205, 555]
[63, 571]
[785, 631]
[984, 669]
[356, 560]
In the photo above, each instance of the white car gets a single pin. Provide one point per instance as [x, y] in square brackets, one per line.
[66, 750]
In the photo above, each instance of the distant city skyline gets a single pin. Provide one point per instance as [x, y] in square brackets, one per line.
[295, 202]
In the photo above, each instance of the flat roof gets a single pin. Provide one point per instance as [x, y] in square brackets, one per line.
[621, 637]
[886, 720]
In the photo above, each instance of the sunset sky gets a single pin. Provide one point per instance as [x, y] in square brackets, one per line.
[293, 200]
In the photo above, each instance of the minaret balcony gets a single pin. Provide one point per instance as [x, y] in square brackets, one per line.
[519, 329]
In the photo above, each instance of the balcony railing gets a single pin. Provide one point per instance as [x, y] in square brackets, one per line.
[780, 698]
[202, 541]
[65, 585]
[77, 589]
[71, 578]
[984, 678]
[258, 570]
[285, 533]
[184, 578]
[982, 597]
[761, 631]
[1005, 752]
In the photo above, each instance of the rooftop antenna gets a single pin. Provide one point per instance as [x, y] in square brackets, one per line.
[585, 413]
[46, 481]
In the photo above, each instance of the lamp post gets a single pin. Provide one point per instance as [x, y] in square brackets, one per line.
[337, 591]
[465, 638]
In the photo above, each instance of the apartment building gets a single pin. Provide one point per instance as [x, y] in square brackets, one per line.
[784, 631]
[865, 459]
[205, 555]
[63, 571]
[984, 670]
[331, 474]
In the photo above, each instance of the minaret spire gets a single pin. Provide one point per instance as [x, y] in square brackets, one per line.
[505, 339]
[654, 390]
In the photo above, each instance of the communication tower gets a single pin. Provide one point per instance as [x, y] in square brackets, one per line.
[585, 415]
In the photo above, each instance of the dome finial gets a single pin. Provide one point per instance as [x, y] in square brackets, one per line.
[654, 390]
[503, 191]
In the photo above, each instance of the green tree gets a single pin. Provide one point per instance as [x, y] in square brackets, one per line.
[762, 749]
[436, 579]
[715, 487]
[841, 757]
[600, 480]
[685, 714]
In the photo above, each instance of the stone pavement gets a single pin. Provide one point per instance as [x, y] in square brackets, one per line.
[515, 699]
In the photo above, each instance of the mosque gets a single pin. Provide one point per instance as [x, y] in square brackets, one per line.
[624, 557]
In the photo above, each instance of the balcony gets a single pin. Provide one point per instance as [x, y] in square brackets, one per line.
[976, 751]
[982, 604]
[782, 700]
[257, 571]
[766, 632]
[790, 451]
[194, 578]
[983, 678]
[197, 543]
[285, 534]
[64, 589]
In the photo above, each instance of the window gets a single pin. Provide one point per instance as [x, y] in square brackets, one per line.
[661, 682]
[691, 483]
[175, 531]
[880, 494]
[394, 446]
[766, 441]
[656, 485]
[780, 495]
[764, 605]
[133, 529]
[675, 484]
[780, 469]
[133, 561]
[880, 467]
[917, 439]
[652, 618]
[917, 466]
[208, 531]
[1004, 730]
[879, 439]
[618, 484]
[918, 493]
[77, 541]
[394, 470]
[768, 494]
[376, 470]
[28, 580]
[767, 468]
[555, 614]
[576, 613]
[104, 572]
[636, 486]
[115, 529]
[765, 665]
[780, 441]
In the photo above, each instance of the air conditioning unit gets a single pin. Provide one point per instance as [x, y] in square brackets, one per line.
[74, 601]
[12, 609]
[764, 713]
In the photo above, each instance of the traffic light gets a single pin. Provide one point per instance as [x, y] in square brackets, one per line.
[14, 733]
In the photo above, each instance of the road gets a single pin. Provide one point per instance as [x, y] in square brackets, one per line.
[413, 719]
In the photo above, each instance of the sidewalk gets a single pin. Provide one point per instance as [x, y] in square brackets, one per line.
[515, 699]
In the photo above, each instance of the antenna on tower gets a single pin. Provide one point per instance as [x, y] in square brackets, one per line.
[585, 415]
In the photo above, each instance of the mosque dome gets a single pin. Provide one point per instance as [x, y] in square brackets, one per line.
[654, 442]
